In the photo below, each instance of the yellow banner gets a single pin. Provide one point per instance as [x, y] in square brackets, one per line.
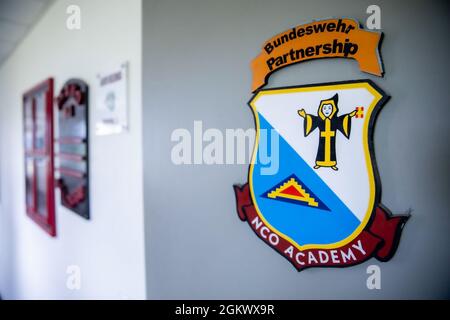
[330, 38]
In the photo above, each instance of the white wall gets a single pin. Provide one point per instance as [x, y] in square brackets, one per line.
[110, 247]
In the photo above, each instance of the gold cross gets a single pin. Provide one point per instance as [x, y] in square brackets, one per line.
[327, 134]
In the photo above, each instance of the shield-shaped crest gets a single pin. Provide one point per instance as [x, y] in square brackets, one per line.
[317, 207]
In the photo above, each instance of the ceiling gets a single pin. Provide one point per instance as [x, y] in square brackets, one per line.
[16, 19]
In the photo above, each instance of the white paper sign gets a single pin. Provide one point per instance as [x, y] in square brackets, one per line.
[112, 102]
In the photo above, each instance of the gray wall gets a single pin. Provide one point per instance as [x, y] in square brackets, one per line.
[196, 57]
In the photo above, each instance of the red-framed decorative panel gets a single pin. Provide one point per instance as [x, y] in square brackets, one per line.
[38, 145]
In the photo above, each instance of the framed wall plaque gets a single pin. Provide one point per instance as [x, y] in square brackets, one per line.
[38, 146]
[73, 148]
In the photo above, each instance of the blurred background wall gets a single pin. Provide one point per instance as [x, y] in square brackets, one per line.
[108, 249]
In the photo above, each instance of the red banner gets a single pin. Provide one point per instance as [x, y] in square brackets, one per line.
[379, 239]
